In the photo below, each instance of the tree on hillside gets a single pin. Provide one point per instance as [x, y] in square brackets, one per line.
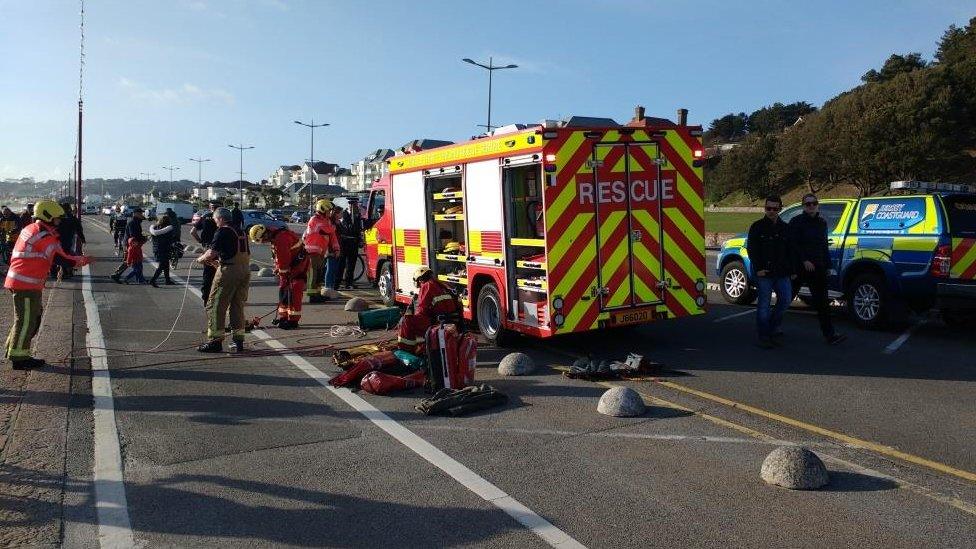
[895, 65]
[746, 168]
[730, 127]
[957, 44]
[776, 117]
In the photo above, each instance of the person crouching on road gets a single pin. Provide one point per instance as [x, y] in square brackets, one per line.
[808, 235]
[133, 258]
[37, 245]
[230, 255]
[769, 252]
[291, 266]
[320, 242]
[433, 303]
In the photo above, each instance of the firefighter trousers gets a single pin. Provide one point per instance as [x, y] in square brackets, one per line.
[229, 291]
[27, 320]
[315, 275]
[291, 291]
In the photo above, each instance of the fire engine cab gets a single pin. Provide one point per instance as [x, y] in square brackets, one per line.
[550, 228]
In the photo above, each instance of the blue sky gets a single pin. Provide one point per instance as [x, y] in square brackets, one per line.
[166, 81]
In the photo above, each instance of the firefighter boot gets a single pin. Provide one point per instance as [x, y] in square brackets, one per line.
[27, 363]
[213, 346]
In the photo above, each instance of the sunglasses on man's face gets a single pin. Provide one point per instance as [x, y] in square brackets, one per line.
[813, 203]
[773, 208]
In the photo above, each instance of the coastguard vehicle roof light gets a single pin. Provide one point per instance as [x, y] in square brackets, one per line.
[931, 187]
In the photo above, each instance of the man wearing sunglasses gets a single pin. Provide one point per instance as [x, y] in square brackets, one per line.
[768, 246]
[808, 235]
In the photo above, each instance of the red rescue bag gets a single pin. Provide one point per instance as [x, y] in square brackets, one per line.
[363, 366]
[451, 357]
[379, 383]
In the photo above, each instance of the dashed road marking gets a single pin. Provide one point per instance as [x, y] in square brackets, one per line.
[735, 315]
[896, 344]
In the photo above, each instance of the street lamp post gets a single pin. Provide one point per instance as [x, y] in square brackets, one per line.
[200, 162]
[240, 181]
[171, 168]
[311, 159]
[490, 68]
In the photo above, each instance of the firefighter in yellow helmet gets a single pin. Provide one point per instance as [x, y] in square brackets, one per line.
[433, 302]
[320, 242]
[36, 248]
[291, 265]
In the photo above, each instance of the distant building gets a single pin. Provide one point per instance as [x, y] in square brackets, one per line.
[372, 167]
[285, 175]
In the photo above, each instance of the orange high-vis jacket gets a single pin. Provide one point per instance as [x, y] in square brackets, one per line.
[33, 254]
[320, 236]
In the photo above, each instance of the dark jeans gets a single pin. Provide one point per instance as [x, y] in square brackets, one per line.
[208, 276]
[346, 268]
[163, 268]
[817, 284]
[768, 320]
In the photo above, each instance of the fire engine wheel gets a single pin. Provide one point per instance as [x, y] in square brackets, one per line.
[867, 300]
[735, 284]
[489, 315]
[384, 283]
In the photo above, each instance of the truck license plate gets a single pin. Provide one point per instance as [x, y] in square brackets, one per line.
[633, 316]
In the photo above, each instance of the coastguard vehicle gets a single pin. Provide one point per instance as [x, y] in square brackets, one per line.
[549, 228]
[915, 249]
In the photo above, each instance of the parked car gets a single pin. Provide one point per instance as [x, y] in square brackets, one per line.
[300, 216]
[280, 215]
[254, 217]
[910, 250]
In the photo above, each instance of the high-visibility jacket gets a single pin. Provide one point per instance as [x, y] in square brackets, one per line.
[434, 300]
[30, 262]
[320, 236]
[286, 250]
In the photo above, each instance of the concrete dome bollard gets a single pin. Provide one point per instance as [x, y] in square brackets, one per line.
[266, 272]
[621, 402]
[357, 304]
[516, 364]
[794, 467]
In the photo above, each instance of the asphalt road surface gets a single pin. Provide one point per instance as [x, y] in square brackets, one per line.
[253, 450]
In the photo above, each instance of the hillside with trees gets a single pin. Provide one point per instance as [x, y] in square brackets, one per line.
[909, 119]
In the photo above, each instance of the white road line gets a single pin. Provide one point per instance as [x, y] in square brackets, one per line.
[735, 315]
[114, 528]
[466, 477]
[896, 344]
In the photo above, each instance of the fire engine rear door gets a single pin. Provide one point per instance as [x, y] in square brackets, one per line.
[628, 232]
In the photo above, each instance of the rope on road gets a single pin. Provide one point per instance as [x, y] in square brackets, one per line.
[179, 314]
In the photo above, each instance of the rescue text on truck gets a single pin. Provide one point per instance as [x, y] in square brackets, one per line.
[548, 229]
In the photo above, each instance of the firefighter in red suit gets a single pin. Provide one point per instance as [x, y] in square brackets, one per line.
[291, 264]
[433, 303]
[36, 248]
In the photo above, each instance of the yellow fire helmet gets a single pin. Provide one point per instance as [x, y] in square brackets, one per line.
[47, 210]
[257, 232]
[323, 205]
[452, 247]
[454, 210]
[421, 274]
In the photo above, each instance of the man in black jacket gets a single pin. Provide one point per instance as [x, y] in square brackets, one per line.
[811, 255]
[769, 252]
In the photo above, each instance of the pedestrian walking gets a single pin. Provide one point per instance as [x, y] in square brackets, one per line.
[230, 254]
[203, 232]
[72, 235]
[163, 237]
[133, 258]
[118, 233]
[768, 246]
[290, 264]
[320, 242]
[174, 221]
[811, 260]
[133, 228]
[36, 247]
